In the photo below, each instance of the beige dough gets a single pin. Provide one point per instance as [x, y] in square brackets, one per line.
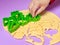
[48, 21]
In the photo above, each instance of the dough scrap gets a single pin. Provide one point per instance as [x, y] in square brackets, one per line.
[48, 21]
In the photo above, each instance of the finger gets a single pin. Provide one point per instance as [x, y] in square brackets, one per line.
[30, 5]
[40, 10]
[34, 9]
[31, 10]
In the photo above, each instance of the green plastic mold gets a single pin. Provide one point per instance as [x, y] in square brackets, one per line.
[17, 19]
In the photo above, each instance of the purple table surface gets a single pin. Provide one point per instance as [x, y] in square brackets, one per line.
[6, 6]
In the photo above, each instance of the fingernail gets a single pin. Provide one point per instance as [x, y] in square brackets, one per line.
[32, 15]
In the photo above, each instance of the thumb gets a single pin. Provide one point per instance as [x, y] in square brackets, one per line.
[40, 10]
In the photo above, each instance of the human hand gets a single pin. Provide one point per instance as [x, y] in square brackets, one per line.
[37, 6]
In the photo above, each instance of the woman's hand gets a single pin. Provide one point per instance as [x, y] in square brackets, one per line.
[37, 6]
